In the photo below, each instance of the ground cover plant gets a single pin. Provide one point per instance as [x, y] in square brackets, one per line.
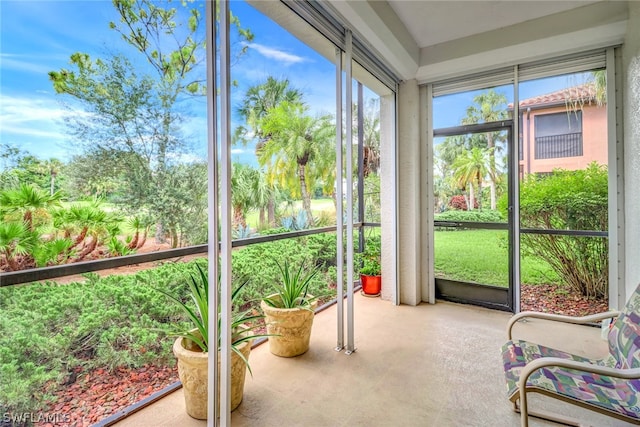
[55, 335]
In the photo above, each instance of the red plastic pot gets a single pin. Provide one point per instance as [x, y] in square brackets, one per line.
[371, 285]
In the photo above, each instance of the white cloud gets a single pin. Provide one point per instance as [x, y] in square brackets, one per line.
[34, 117]
[22, 63]
[278, 55]
[239, 151]
[22, 110]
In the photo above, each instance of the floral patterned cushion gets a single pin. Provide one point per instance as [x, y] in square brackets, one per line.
[624, 336]
[612, 394]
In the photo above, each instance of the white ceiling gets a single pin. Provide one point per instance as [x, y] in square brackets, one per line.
[431, 40]
[431, 22]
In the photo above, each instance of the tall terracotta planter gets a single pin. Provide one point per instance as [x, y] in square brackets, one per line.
[192, 369]
[290, 328]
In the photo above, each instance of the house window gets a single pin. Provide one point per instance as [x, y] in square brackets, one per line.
[558, 135]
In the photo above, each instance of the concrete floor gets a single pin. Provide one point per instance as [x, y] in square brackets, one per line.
[430, 365]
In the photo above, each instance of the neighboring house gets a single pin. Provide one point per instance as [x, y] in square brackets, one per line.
[566, 129]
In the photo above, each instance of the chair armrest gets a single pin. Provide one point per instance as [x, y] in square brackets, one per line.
[559, 318]
[543, 362]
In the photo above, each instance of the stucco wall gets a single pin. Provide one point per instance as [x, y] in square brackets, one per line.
[388, 197]
[594, 141]
[409, 193]
[631, 78]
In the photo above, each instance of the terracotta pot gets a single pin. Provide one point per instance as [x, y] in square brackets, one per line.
[291, 328]
[192, 369]
[371, 285]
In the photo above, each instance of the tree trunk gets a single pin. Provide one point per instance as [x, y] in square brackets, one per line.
[261, 217]
[160, 237]
[238, 217]
[306, 199]
[271, 212]
[492, 188]
[472, 199]
[479, 178]
[133, 244]
[492, 169]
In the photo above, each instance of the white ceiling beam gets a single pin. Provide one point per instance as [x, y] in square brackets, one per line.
[589, 27]
[378, 25]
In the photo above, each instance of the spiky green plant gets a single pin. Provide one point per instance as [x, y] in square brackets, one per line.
[292, 291]
[243, 323]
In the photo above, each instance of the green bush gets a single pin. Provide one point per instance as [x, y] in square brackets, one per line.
[50, 331]
[257, 263]
[471, 216]
[568, 200]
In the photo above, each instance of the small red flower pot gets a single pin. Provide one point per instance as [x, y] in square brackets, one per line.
[371, 285]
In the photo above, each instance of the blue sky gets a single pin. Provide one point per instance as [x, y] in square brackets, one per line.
[39, 36]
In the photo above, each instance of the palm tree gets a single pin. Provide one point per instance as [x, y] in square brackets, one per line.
[371, 135]
[600, 82]
[28, 201]
[264, 192]
[243, 180]
[90, 224]
[470, 168]
[489, 106]
[16, 239]
[299, 149]
[257, 102]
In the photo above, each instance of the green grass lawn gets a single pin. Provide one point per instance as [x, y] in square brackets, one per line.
[478, 256]
[481, 256]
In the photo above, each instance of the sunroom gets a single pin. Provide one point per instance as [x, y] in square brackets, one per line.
[429, 345]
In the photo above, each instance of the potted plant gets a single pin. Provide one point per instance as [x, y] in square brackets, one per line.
[192, 345]
[289, 312]
[370, 269]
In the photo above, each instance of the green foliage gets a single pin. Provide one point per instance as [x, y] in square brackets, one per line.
[51, 330]
[257, 264]
[369, 259]
[18, 167]
[243, 323]
[471, 216]
[568, 200]
[292, 288]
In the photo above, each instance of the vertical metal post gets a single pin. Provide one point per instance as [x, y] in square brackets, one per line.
[617, 292]
[225, 202]
[360, 168]
[212, 188]
[514, 196]
[431, 208]
[339, 205]
[396, 197]
[349, 171]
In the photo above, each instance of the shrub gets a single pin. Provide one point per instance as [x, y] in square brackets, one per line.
[460, 203]
[568, 200]
[471, 216]
[51, 331]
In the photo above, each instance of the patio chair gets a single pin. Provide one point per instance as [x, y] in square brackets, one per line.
[610, 386]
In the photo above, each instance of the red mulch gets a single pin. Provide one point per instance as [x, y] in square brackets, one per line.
[98, 394]
[94, 396]
[552, 299]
